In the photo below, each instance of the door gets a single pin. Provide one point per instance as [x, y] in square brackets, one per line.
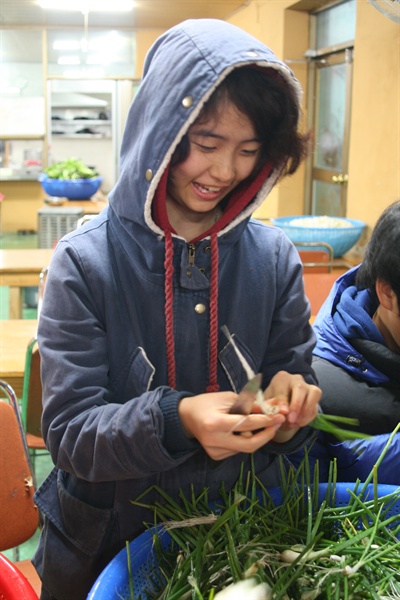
[332, 77]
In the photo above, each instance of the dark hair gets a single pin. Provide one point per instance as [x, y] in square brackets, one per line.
[272, 107]
[382, 255]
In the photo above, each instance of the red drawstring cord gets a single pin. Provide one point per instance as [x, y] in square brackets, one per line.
[169, 309]
[169, 313]
[213, 383]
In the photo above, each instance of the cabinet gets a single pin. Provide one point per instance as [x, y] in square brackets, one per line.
[81, 116]
[21, 157]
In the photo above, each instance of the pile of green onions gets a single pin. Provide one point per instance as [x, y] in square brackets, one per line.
[302, 549]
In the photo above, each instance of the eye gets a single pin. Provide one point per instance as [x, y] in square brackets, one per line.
[250, 151]
[203, 147]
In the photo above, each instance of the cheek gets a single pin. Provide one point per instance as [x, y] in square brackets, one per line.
[185, 171]
[246, 168]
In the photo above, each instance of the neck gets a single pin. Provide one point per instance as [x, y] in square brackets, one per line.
[190, 225]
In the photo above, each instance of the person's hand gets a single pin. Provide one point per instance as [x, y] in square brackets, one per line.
[294, 398]
[206, 417]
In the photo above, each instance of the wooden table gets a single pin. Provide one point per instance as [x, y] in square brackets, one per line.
[21, 268]
[89, 207]
[15, 336]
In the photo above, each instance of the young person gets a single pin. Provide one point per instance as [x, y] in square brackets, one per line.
[138, 377]
[357, 356]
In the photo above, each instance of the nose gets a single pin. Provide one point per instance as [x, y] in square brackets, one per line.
[223, 169]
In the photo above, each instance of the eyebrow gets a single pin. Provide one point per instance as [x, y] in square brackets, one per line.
[212, 134]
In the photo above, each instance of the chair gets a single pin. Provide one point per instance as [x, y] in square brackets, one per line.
[19, 515]
[31, 402]
[316, 256]
[85, 219]
[13, 583]
[317, 287]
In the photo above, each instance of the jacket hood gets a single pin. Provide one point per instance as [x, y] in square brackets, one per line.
[344, 318]
[181, 71]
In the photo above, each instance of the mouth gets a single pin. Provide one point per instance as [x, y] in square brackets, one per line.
[208, 191]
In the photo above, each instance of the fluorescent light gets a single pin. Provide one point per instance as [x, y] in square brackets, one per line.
[98, 59]
[69, 60]
[66, 45]
[88, 5]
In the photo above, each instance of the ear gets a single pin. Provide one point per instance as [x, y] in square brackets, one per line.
[385, 294]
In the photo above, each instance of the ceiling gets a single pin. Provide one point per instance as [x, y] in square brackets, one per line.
[161, 14]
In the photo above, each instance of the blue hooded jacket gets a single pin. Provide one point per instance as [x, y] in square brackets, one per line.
[360, 378]
[110, 417]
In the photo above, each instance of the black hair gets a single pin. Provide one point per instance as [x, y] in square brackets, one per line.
[272, 107]
[382, 255]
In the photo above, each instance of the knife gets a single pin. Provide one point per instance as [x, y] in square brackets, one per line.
[247, 396]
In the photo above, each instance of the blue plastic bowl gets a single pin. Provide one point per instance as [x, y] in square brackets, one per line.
[73, 189]
[113, 582]
[340, 238]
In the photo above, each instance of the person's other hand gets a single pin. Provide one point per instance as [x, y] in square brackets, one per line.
[296, 399]
[206, 417]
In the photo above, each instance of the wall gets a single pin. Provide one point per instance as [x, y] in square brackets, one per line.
[22, 200]
[374, 169]
[286, 32]
[144, 39]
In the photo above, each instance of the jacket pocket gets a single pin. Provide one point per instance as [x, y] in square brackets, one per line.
[136, 376]
[232, 365]
[77, 541]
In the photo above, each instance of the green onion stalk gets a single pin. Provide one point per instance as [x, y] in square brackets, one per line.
[309, 545]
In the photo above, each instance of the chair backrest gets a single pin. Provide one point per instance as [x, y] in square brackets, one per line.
[317, 287]
[85, 219]
[317, 257]
[19, 515]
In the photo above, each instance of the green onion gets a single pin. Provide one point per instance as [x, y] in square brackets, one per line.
[302, 549]
[327, 423]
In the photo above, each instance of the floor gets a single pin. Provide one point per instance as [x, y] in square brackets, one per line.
[43, 463]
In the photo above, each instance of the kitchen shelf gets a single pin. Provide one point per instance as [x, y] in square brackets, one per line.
[82, 121]
[85, 136]
[71, 123]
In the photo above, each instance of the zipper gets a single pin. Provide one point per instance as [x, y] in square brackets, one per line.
[191, 256]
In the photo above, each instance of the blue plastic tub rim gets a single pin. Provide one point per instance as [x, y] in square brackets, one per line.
[286, 221]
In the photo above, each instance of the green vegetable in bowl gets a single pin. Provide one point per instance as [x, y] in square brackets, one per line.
[329, 541]
[71, 168]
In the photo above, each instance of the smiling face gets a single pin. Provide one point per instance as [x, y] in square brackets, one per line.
[223, 152]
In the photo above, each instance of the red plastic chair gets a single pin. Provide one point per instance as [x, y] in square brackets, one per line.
[13, 583]
[19, 516]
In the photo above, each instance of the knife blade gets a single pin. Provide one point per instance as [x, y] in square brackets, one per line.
[247, 396]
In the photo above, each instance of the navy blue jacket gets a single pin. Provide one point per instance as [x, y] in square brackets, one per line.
[359, 377]
[110, 419]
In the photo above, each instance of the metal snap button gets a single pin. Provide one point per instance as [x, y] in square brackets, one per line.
[187, 101]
